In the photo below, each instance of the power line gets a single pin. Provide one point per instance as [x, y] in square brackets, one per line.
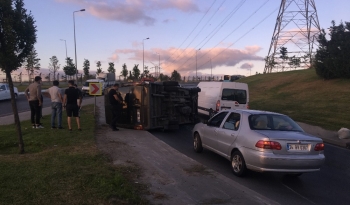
[217, 29]
[199, 31]
[221, 24]
[242, 35]
[193, 29]
[230, 33]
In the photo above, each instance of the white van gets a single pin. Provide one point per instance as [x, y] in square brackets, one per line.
[216, 96]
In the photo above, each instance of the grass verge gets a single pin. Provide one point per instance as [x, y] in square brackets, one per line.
[63, 168]
[303, 96]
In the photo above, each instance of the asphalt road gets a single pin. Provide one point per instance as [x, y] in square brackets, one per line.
[328, 186]
[22, 105]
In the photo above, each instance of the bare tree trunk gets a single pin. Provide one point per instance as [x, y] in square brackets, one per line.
[15, 114]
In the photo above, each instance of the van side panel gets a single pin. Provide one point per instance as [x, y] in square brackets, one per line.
[209, 95]
[211, 92]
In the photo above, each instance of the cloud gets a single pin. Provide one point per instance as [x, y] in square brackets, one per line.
[168, 20]
[184, 61]
[182, 5]
[132, 11]
[247, 66]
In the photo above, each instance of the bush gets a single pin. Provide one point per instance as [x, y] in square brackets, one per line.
[332, 57]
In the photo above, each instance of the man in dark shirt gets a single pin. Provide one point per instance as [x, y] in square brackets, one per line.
[130, 102]
[116, 101]
[80, 95]
[70, 102]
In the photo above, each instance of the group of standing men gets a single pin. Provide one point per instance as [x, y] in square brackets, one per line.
[116, 102]
[71, 101]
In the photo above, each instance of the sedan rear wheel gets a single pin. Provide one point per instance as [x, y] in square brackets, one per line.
[238, 164]
[197, 143]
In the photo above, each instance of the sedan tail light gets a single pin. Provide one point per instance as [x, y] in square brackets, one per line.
[319, 147]
[268, 145]
[218, 106]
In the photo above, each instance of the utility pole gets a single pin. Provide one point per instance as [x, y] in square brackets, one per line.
[297, 28]
[196, 64]
[211, 70]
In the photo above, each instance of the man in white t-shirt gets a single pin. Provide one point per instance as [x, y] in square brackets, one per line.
[56, 105]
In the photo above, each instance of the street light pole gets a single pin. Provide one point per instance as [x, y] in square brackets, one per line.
[158, 70]
[143, 54]
[65, 43]
[196, 64]
[75, 45]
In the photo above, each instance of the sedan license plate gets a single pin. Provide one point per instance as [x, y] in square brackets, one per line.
[298, 147]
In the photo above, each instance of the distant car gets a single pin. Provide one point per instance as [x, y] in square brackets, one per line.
[260, 141]
[5, 91]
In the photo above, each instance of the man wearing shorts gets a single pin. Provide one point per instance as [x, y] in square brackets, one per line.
[71, 95]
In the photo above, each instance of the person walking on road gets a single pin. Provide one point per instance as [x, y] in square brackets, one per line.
[116, 101]
[33, 94]
[56, 105]
[70, 103]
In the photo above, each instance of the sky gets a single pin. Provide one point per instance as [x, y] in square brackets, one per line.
[222, 37]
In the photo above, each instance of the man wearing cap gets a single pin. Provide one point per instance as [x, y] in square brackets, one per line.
[116, 101]
[33, 94]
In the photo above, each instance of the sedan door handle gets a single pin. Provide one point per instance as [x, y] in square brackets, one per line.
[232, 135]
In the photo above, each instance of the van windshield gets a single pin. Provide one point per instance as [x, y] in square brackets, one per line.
[86, 84]
[234, 95]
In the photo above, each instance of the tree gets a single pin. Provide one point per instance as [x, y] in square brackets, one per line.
[145, 72]
[124, 71]
[17, 39]
[270, 62]
[32, 63]
[130, 75]
[136, 71]
[163, 77]
[283, 56]
[332, 56]
[111, 68]
[99, 69]
[86, 68]
[69, 69]
[54, 66]
[175, 76]
[294, 62]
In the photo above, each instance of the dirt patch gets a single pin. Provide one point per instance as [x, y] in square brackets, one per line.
[197, 170]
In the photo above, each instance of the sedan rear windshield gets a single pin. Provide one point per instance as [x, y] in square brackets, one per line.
[273, 122]
[234, 95]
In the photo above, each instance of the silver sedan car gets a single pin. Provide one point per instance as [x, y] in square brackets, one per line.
[260, 141]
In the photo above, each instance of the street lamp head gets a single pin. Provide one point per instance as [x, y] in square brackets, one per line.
[82, 9]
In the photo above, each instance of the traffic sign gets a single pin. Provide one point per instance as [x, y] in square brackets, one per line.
[95, 89]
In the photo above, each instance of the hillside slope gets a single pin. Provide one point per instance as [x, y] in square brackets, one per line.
[303, 96]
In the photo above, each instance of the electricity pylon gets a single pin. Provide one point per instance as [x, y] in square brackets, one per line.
[296, 29]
